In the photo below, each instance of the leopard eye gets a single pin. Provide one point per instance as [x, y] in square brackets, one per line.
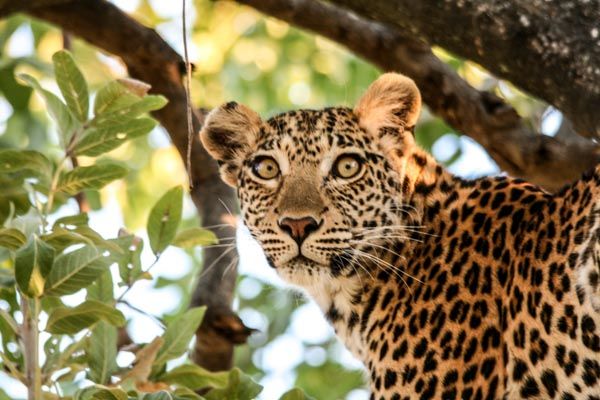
[265, 167]
[347, 166]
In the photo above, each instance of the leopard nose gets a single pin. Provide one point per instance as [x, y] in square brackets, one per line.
[299, 228]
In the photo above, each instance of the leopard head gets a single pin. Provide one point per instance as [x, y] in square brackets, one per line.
[318, 188]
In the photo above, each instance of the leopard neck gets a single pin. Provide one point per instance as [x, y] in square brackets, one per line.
[347, 299]
[423, 184]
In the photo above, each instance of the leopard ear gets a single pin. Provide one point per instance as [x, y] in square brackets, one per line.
[229, 134]
[391, 103]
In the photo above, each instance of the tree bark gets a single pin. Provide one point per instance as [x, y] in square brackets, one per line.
[550, 48]
[149, 58]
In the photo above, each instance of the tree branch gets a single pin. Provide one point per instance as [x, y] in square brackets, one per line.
[481, 115]
[150, 59]
[550, 48]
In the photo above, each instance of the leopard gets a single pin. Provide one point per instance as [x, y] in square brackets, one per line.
[443, 287]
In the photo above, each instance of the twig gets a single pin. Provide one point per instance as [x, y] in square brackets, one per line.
[188, 78]
[120, 298]
[81, 198]
[30, 334]
[158, 321]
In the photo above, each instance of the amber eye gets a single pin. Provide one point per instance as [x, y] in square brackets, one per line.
[347, 166]
[265, 167]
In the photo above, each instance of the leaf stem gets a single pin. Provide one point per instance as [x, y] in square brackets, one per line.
[53, 186]
[130, 285]
[31, 336]
[82, 201]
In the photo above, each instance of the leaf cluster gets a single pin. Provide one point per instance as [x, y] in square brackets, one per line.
[43, 262]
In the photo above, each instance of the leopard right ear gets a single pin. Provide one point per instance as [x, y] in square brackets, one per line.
[229, 134]
[392, 101]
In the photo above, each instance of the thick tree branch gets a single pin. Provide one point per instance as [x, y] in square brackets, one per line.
[494, 124]
[150, 59]
[550, 48]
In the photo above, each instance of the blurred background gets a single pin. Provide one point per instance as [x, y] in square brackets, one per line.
[271, 67]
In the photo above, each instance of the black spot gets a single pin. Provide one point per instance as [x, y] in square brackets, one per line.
[519, 370]
[420, 348]
[390, 379]
[383, 351]
[530, 388]
[550, 383]
[488, 366]
[369, 308]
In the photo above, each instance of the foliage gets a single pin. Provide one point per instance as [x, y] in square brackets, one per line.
[44, 262]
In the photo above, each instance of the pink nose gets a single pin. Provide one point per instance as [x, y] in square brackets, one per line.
[299, 228]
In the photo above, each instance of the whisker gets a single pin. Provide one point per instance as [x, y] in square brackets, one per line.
[353, 261]
[389, 265]
[378, 246]
[217, 226]
[378, 262]
[231, 266]
[212, 246]
[215, 261]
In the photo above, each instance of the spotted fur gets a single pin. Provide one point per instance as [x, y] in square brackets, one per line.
[445, 288]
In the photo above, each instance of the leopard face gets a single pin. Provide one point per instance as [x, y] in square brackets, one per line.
[318, 188]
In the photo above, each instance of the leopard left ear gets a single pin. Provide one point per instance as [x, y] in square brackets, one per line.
[391, 103]
[229, 135]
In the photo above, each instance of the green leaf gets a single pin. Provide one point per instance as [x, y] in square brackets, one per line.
[7, 278]
[295, 394]
[99, 140]
[102, 289]
[52, 351]
[178, 335]
[60, 238]
[35, 163]
[69, 321]
[130, 110]
[310, 379]
[9, 321]
[101, 353]
[194, 237]
[129, 261]
[194, 377]
[72, 84]
[100, 392]
[186, 394]
[92, 177]
[3, 395]
[74, 220]
[11, 238]
[32, 264]
[75, 270]
[58, 111]
[239, 387]
[164, 219]
[109, 95]
[162, 395]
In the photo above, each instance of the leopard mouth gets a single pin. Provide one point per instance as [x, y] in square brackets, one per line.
[302, 259]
